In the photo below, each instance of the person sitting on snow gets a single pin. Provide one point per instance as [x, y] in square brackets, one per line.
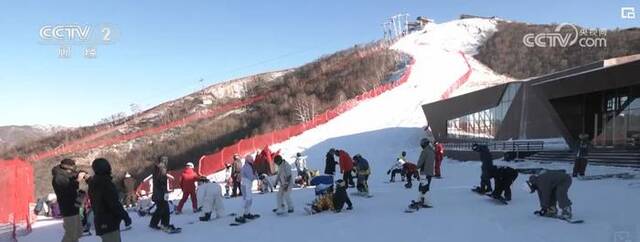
[410, 170]
[396, 168]
[552, 187]
[145, 204]
[265, 184]
[210, 197]
[327, 200]
[503, 177]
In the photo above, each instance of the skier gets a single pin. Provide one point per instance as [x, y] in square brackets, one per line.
[65, 182]
[160, 198]
[503, 177]
[439, 156]
[265, 184]
[236, 167]
[552, 187]
[487, 164]
[396, 167]
[330, 162]
[346, 167]
[363, 170]
[580, 164]
[130, 189]
[410, 170]
[227, 179]
[108, 211]
[188, 185]
[248, 175]
[301, 168]
[285, 179]
[427, 160]
[210, 196]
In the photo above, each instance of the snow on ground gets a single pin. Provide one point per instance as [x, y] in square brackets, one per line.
[380, 129]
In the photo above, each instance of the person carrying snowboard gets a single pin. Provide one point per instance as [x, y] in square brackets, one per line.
[553, 188]
[210, 196]
[285, 179]
[188, 185]
[503, 177]
[330, 162]
[396, 168]
[363, 171]
[160, 197]
[107, 209]
[248, 175]
[487, 164]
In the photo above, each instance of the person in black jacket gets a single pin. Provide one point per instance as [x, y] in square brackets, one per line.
[330, 162]
[66, 181]
[503, 177]
[341, 197]
[160, 197]
[487, 164]
[107, 209]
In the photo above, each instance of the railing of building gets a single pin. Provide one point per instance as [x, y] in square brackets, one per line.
[499, 146]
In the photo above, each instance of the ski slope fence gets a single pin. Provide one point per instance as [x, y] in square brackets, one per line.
[17, 193]
[461, 81]
[80, 146]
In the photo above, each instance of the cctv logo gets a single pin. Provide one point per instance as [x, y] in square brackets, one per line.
[628, 12]
[71, 32]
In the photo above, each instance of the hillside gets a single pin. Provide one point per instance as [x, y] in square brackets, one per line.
[14, 135]
[203, 122]
[505, 53]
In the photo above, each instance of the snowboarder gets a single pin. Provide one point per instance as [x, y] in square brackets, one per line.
[65, 182]
[301, 168]
[285, 179]
[423, 200]
[129, 183]
[552, 187]
[580, 164]
[439, 156]
[341, 197]
[487, 164]
[426, 161]
[236, 167]
[248, 175]
[210, 197]
[330, 162]
[265, 184]
[410, 170]
[363, 170]
[323, 200]
[108, 211]
[503, 177]
[396, 167]
[346, 167]
[160, 198]
[188, 185]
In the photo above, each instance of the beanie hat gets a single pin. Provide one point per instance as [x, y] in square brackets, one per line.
[190, 165]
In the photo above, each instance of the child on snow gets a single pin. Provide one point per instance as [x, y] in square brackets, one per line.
[327, 200]
[396, 168]
[210, 195]
[363, 171]
[265, 184]
[410, 170]
[503, 177]
[553, 188]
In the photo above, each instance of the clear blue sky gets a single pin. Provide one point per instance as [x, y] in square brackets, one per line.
[165, 47]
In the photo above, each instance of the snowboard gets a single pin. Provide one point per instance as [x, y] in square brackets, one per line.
[499, 200]
[361, 195]
[413, 210]
[571, 221]
[236, 223]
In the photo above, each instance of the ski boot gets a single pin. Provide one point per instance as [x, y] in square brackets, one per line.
[206, 217]
[250, 216]
[566, 213]
[290, 210]
[240, 219]
[547, 212]
[170, 229]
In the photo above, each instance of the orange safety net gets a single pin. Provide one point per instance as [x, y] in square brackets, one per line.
[17, 194]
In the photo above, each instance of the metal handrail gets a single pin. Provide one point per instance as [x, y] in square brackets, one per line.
[499, 146]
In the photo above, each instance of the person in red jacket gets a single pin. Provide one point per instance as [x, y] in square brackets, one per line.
[439, 157]
[188, 185]
[346, 166]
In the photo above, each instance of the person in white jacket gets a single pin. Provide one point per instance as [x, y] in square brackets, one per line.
[396, 168]
[210, 196]
[248, 175]
[285, 179]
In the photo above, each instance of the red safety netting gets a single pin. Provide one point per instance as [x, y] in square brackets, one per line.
[461, 81]
[17, 195]
[215, 162]
[82, 144]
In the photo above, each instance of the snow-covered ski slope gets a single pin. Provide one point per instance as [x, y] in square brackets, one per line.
[380, 129]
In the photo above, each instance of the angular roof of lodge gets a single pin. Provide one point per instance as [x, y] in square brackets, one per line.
[541, 80]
